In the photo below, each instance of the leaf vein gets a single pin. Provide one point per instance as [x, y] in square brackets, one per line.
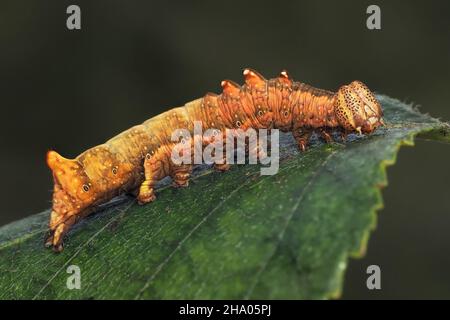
[180, 244]
[288, 220]
[80, 248]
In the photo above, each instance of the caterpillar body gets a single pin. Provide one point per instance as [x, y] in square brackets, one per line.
[140, 156]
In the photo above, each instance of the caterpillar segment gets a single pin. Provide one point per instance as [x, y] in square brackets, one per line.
[139, 157]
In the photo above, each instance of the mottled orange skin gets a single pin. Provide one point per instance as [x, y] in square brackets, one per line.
[139, 157]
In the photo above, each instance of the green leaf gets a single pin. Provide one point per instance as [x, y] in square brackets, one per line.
[231, 235]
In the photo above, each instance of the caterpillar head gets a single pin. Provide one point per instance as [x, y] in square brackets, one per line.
[81, 183]
[73, 190]
[357, 109]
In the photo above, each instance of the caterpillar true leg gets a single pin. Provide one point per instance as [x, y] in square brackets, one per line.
[181, 175]
[55, 239]
[222, 167]
[302, 138]
[325, 133]
[342, 134]
[154, 171]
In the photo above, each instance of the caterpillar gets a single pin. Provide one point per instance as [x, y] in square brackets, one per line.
[137, 158]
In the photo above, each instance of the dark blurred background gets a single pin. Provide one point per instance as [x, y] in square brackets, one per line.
[70, 90]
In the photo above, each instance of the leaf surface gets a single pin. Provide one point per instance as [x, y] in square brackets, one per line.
[228, 236]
